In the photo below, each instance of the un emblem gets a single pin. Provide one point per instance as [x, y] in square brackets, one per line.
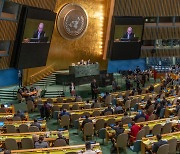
[72, 21]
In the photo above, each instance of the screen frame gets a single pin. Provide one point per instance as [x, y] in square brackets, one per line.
[135, 20]
[28, 12]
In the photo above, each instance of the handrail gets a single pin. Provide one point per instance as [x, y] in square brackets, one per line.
[41, 74]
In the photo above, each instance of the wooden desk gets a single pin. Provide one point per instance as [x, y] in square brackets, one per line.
[55, 99]
[87, 110]
[50, 136]
[147, 143]
[9, 116]
[10, 109]
[28, 123]
[58, 150]
[117, 117]
[81, 104]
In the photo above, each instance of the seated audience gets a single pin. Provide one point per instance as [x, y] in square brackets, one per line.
[148, 104]
[60, 136]
[134, 131]
[20, 114]
[41, 143]
[156, 145]
[119, 129]
[108, 109]
[64, 112]
[139, 115]
[36, 123]
[88, 149]
[86, 120]
[45, 111]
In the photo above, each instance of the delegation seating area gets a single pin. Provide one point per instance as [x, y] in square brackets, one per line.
[97, 119]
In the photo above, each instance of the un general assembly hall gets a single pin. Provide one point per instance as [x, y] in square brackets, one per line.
[89, 76]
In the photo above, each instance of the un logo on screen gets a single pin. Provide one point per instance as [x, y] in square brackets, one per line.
[72, 21]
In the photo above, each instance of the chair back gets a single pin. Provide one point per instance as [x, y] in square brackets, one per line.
[97, 105]
[10, 128]
[65, 106]
[88, 129]
[27, 143]
[75, 107]
[147, 130]
[16, 118]
[30, 106]
[172, 145]
[126, 120]
[74, 117]
[141, 119]
[110, 121]
[151, 117]
[23, 128]
[79, 99]
[2, 110]
[59, 100]
[100, 123]
[108, 100]
[33, 129]
[50, 100]
[11, 144]
[86, 114]
[137, 146]
[127, 104]
[96, 113]
[65, 121]
[68, 100]
[59, 143]
[140, 134]
[19, 97]
[151, 109]
[178, 113]
[102, 133]
[2, 119]
[167, 128]
[133, 102]
[156, 129]
[163, 149]
[87, 106]
[122, 140]
[108, 113]
[146, 97]
[55, 108]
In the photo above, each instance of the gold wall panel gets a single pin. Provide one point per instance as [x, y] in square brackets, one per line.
[161, 53]
[5, 61]
[90, 46]
[147, 7]
[152, 33]
[45, 4]
[7, 30]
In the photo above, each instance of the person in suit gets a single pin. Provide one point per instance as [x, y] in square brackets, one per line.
[72, 89]
[94, 89]
[108, 109]
[160, 142]
[39, 33]
[36, 123]
[86, 120]
[129, 34]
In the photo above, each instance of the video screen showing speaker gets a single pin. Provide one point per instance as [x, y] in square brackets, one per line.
[33, 39]
[126, 37]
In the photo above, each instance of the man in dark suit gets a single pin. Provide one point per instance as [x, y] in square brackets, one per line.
[87, 120]
[94, 89]
[129, 34]
[108, 109]
[39, 33]
[158, 144]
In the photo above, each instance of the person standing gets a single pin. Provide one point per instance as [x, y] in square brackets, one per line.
[20, 78]
[94, 89]
[72, 89]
